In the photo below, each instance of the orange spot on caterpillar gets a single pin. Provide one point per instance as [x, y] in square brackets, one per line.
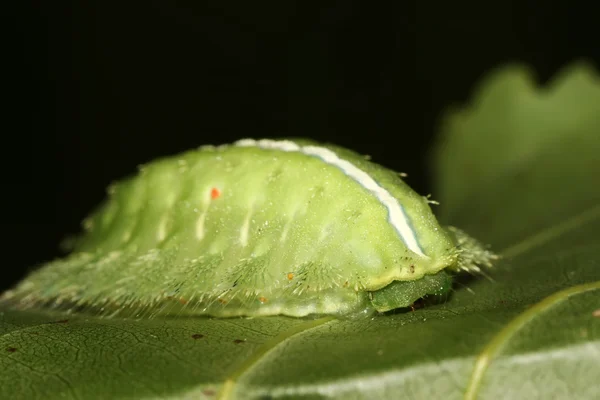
[222, 301]
[290, 276]
[262, 299]
[215, 193]
[183, 301]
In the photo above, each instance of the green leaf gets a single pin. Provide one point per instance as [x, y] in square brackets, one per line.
[518, 168]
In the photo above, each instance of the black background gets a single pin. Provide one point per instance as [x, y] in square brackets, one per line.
[98, 87]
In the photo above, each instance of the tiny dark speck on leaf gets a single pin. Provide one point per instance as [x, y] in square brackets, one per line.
[62, 321]
[11, 349]
[238, 341]
[197, 336]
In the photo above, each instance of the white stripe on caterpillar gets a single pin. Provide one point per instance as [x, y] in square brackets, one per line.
[396, 214]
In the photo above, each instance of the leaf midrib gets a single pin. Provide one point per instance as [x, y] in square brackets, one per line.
[493, 348]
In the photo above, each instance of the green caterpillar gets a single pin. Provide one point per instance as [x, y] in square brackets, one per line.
[255, 228]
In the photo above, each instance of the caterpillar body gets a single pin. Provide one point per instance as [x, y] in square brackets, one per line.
[255, 228]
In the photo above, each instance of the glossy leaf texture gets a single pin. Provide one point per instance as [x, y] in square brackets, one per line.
[518, 168]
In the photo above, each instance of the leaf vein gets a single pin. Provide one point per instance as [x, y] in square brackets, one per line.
[493, 348]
